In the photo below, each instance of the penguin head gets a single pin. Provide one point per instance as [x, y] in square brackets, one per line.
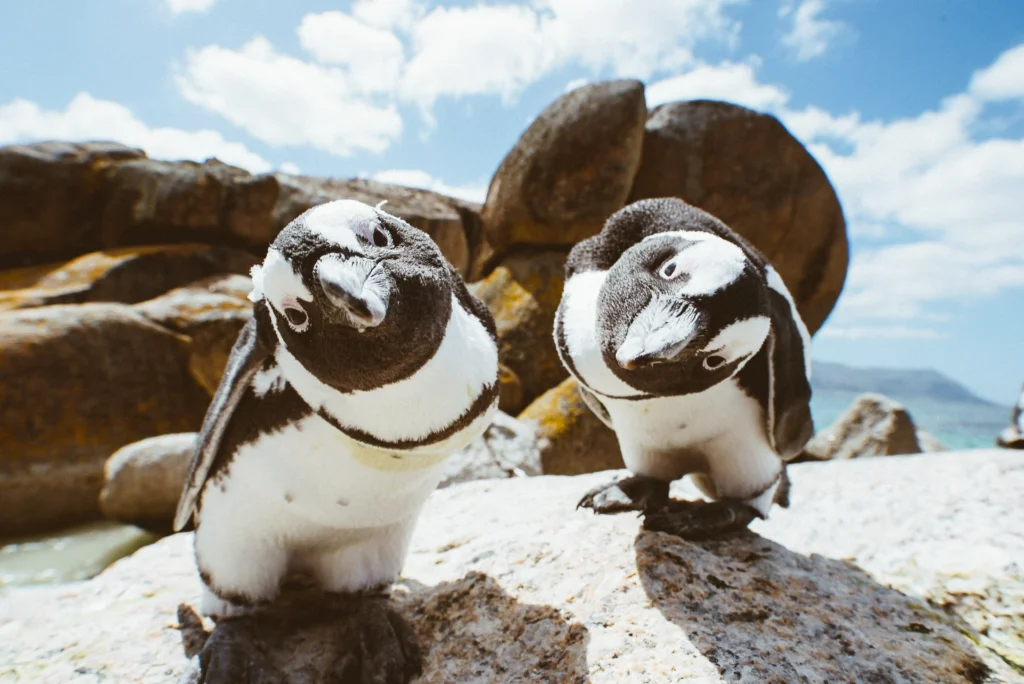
[681, 311]
[359, 297]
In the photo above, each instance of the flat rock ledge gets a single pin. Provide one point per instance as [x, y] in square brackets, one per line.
[905, 569]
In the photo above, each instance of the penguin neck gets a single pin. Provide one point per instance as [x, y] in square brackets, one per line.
[440, 407]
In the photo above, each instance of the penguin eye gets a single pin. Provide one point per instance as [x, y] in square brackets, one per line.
[297, 317]
[713, 362]
[381, 238]
[670, 270]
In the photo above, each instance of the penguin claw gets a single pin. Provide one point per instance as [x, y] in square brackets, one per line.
[701, 520]
[635, 493]
[347, 639]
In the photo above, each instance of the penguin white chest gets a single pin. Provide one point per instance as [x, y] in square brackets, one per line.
[310, 472]
[717, 431]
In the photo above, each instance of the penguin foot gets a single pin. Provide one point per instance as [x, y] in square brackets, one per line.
[635, 493]
[699, 520]
[348, 639]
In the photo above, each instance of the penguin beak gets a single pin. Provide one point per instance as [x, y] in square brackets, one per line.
[660, 334]
[357, 288]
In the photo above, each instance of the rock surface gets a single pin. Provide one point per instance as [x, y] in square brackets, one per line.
[523, 294]
[210, 313]
[506, 581]
[874, 425]
[745, 168]
[70, 198]
[570, 170]
[572, 439]
[508, 448]
[143, 481]
[129, 275]
[1013, 436]
[77, 382]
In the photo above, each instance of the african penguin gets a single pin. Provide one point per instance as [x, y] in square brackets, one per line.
[366, 363]
[686, 342]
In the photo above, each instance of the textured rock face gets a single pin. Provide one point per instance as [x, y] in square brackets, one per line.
[506, 581]
[570, 170]
[77, 382]
[210, 312]
[143, 481]
[874, 425]
[128, 274]
[523, 295]
[508, 448]
[745, 168]
[70, 198]
[572, 439]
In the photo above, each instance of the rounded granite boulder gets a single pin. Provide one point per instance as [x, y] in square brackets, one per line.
[749, 171]
[570, 170]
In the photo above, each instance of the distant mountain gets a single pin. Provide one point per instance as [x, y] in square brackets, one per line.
[903, 385]
[937, 403]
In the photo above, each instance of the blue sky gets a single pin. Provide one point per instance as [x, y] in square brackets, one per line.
[915, 110]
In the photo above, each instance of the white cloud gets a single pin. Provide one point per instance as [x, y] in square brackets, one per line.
[181, 6]
[388, 14]
[372, 57]
[289, 168]
[575, 83]
[415, 178]
[501, 49]
[286, 101]
[810, 35]
[87, 118]
[1004, 79]
[731, 82]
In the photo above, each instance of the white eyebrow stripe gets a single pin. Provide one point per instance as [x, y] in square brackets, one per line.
[713, 262]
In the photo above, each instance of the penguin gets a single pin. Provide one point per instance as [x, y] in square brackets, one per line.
[366, 363]
[685, 341]
[1012, 437]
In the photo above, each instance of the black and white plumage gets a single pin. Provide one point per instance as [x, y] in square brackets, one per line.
[686, 342]
[366, 363]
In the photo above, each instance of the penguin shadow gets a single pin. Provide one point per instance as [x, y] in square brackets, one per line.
[762, 613]
[467, 630]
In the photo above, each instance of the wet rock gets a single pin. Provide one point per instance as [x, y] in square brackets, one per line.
[127, 274]
[210, 312]
[874, 425]
[570, 170]
[1013, 436]
[77, 382]
[572, 439]
[143, 481]
[506, 581]
[745, 168]
[508, 448]
[523, 294]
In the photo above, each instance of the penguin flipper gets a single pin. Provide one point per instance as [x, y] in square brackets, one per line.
[249, 352]
[789, 387]
[595, 405]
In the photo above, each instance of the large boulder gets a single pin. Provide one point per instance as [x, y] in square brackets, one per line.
[570, 170]
[572, 439]
[506, 581]
[52, 198]
[64, 199]
[874, 425]
[523, 294]
[77, 382]
[748, 170]
[210, 313]
[1013, 436]
[144, 480]
[127, 274]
